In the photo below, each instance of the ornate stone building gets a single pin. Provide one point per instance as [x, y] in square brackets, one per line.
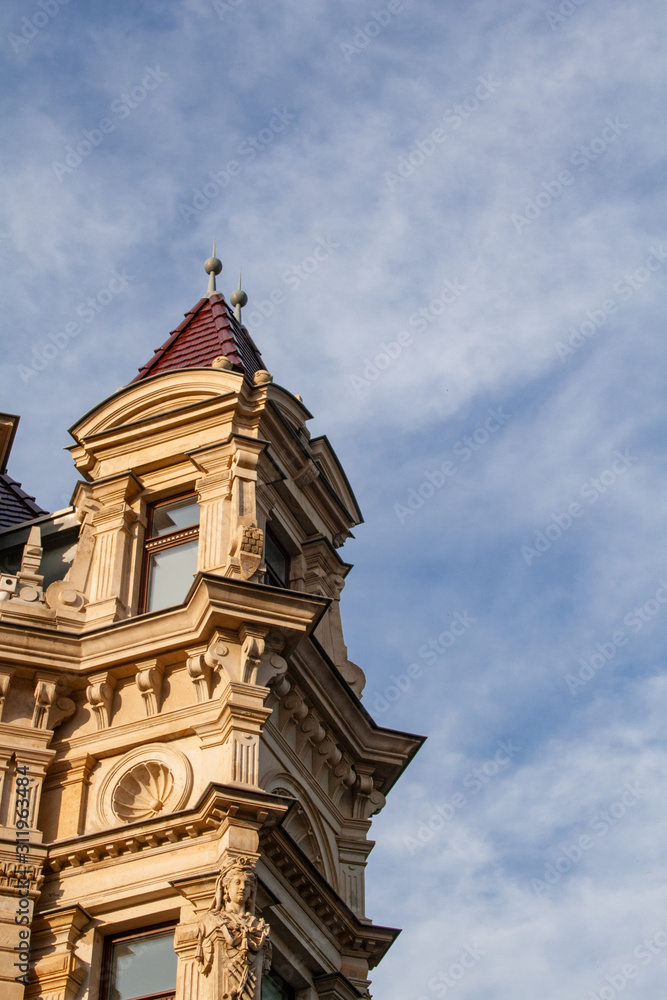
[187, 772]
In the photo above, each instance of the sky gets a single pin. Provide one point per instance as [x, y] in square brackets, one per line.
[450, 219]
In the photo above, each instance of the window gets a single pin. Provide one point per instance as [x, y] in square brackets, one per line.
[140, 966]
[274, 987]
[276, 560]
[171, 552]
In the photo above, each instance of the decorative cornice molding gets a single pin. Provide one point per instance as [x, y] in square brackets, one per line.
[218, 804]
[365, 940]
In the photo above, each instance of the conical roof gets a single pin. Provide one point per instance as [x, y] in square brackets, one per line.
[208, 331]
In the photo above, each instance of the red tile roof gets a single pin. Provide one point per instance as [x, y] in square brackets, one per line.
[208, 330]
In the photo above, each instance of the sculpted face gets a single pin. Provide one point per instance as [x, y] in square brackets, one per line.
[239, 889]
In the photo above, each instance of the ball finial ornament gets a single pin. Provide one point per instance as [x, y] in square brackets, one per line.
[213, 265]
[238, 298]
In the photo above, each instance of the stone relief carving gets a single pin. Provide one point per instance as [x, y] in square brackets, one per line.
[146, 782]
[51, 704]
[143, 792]
[247, 549]
[232, 935]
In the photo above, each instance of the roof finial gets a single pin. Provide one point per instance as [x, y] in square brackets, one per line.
[212, 267]
[238, 299]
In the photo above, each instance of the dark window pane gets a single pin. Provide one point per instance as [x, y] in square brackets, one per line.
[276, 561]
[170, 573]
[274, 988]
[174, 516]
[143, 965]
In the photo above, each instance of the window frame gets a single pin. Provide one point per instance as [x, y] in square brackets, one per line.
[271, 576]
[136, 932]
[157, 543]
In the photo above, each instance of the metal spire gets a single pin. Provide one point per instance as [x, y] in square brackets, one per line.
[212, 267]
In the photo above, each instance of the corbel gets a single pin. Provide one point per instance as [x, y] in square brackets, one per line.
[150, 674]
[99, 695]
[6, 674]
[199, 672]
[52, 706]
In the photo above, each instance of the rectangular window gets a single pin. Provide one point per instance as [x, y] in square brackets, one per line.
[276, 560]
[274, 987]
[171, 552]
[140, 966]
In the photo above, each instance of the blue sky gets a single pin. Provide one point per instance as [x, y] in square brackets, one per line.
[498, 166]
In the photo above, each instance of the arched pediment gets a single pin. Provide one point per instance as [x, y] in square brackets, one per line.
[152, 397]
[304, 826]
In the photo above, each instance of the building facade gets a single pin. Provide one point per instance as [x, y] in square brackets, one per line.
[187, 772]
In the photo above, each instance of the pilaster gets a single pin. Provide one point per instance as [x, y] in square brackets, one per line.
[109, 581]
[57, 973]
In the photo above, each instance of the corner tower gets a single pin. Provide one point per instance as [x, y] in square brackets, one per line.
[188, 773]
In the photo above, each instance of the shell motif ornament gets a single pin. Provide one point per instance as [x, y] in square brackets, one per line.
[143, 792]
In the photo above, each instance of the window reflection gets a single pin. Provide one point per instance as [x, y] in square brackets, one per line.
[142, 967]
[170, 573]
[171, 553]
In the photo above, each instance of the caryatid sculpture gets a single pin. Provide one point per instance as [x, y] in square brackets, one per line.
[242, 939]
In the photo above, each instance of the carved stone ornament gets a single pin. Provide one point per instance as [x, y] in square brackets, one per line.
[233, 943]
[143, 792]
[250, 547]
[51, 704]
[149, 781]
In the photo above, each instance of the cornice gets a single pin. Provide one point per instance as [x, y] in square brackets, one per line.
[213, 602]
[363, 939]
[159, 835]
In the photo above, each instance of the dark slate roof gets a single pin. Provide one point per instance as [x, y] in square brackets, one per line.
[208, 330]
[15, 504]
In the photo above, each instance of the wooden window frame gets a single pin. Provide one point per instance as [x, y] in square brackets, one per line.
[136, 932]
[159, 542]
